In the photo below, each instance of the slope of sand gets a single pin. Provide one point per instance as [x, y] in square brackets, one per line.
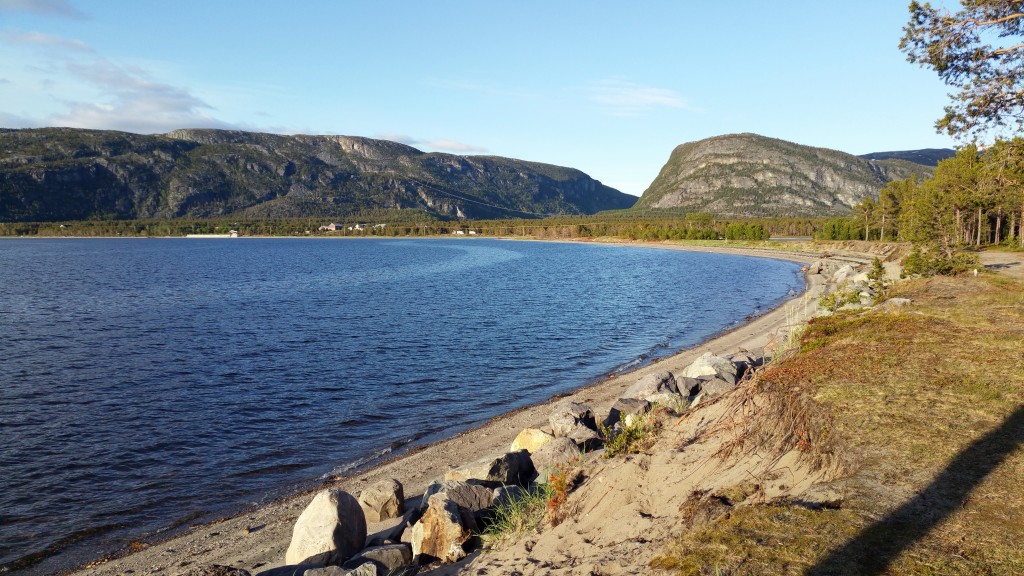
[256, 541]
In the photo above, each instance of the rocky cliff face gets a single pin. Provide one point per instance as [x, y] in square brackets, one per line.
[68, 174]
[741, 175]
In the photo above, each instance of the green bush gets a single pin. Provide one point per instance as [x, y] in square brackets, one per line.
[920, 263]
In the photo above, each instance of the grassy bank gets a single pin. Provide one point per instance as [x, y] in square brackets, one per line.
[926, 405]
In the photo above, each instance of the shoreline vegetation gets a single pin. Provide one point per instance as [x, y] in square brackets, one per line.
[843, 475]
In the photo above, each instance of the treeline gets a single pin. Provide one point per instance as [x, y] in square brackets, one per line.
[650, 226]
[974, 199]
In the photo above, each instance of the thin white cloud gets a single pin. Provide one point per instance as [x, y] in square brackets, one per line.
[60, 8]
[438, 144]
[127, 97]
[38, 39]
[622, 98]
[134, 103]
[5, 81]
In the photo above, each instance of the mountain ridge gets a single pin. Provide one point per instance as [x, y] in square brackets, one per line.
[50, 174]
[749, 175]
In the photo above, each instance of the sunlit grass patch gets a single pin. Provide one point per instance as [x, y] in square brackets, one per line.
[910, 393]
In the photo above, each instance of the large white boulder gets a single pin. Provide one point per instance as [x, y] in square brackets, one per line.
[330, 530]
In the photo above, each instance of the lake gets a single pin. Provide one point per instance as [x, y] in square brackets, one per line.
[150, 384]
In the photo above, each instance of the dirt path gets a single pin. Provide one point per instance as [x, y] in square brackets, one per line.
[1009, 263]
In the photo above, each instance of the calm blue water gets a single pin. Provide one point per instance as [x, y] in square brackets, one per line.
[151, 384]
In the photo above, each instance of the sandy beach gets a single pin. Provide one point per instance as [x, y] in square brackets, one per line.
[257, 540]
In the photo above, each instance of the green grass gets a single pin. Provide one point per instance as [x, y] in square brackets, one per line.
[516, 517]
[908, 392]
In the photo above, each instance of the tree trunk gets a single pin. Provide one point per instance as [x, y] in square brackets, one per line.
[978, 241]
[1020, 234]
[999, 225]
[881, 235]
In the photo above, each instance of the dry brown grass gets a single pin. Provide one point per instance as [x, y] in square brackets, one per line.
[908, 394]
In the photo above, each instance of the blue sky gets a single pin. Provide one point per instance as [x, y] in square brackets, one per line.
[608, 87]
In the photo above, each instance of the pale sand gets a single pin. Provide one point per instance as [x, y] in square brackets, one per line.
[256, 541]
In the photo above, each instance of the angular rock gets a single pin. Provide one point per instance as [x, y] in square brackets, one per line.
[217, 570]
[388, 559]
[688, 386]
[842, 274]
[472, 497]
[585, 438]
[656, 383]
[558, 451]
[712, 365]
[626, 410]
[329, 531]
[442, 531]
[509, 468]
[530, 439]
[674, 402]
[567, 415]
[505, 495]
[383, 500]
[714, 387]
[365, 569]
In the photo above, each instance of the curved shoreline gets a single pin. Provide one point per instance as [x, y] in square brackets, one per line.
[256, 540]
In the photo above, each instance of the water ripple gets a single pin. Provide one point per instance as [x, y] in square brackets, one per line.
[153, 384]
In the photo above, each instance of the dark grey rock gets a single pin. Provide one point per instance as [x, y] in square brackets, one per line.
[626, 407]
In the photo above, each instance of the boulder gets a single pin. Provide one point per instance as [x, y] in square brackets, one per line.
[530, 440]
[712, 365]
[329, 531]
[365, 569]
[656, 383]
[505, 495]
[567, 415]
[585, 438]
[673, 402]
[442, 530]
[626, 410]
[472, 497]
[382, 501]
[714, 387]
[558, 451]
[217, 570]
[688, 386]
[842, 274]
[509, 468]
[389, 559]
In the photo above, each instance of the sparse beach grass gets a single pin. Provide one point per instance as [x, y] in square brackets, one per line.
[928, 404]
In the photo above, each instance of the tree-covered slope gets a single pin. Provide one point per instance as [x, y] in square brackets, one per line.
[68, 174]
[747, 175]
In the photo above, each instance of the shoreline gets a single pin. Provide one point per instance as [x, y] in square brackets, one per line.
[256, 539]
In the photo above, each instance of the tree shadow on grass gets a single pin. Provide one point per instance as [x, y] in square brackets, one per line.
[878, 545]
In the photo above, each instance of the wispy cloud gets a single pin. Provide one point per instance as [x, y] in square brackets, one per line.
[134, 102]
[623, 98]
[58, 8]
[438, 144]
[38, 39]
[128, 98]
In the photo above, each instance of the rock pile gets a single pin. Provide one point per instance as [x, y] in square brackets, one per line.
[330, 536]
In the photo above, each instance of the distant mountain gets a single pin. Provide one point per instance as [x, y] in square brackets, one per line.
[926, 157]
[54, 174]
[747, 175]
